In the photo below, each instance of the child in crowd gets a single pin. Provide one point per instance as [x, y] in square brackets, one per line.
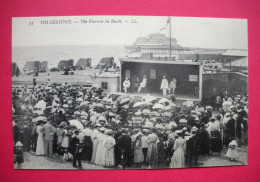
[232, 150]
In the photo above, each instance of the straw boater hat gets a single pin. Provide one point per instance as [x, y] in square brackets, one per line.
[212, 119]
[171, 135]
[102, 129]
[178, 132]
[98, 125]
[18, 144]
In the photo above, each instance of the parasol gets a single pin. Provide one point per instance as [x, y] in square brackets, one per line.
[76, 123]
[124, 100]
[150, 99]
[138, 113]
[146, 112]
[40, 118]
[163, 100]
[167, 114]
[158, 106]
[139, 104]
[41, 104]
[85, 103]
[99, 105]
[80, 99]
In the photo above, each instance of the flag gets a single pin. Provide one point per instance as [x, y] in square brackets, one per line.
[169, 20]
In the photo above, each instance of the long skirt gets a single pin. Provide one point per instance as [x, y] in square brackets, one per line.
[100, 154]
[109, 157]
[40, 150]
[87, 149]
[215, 142]
[178, 159]
[232, 153]
[94, 150]
[152, 155]
[138, 155]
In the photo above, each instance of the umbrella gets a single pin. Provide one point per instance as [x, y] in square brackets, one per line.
[124, 100]
[167, 114]
[148, 103]
[40, 118]
[150, 99]
[163, 100]
[146, 112]
[168, 108]
[85, 103]
[138, 113]
[102, 118]
[158, 106]
[80, 99]
[76, 123]
[99, 105]
[83, 113]
[138, 104]
[76, 113]
[41, 104]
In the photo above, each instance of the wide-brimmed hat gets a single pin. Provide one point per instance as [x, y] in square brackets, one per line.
[178, 131]
[102, 129]
[212, 119]
[18, 144]
[98, 125]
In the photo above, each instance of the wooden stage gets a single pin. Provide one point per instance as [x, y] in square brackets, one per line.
[179, 97]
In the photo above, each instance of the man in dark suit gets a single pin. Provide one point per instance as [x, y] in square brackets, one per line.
[192, 150]
[203, 137]
[75, 148]
[124, 146]
[48, 131]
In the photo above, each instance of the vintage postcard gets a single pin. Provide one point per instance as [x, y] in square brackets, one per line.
[129, 92]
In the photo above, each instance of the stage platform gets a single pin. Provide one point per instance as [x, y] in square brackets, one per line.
[179, 97]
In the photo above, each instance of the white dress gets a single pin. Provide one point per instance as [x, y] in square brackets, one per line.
[178, 158]
[40, 142]
[95, 144]
[100, 150]
[109, 155]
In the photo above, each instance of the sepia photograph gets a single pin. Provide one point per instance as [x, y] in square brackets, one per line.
[129, 92]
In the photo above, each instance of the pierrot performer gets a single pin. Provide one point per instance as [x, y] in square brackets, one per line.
[164, 86]
[126, 85]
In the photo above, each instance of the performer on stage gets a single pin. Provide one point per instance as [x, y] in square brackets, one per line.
[172, 86]
[142, 84]
[164, 86]
[126, 85]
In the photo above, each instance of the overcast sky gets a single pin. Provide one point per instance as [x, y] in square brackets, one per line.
[189, 32]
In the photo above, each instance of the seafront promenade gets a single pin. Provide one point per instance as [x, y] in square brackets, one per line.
[80, 77]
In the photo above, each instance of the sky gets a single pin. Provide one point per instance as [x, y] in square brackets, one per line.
[87, 30]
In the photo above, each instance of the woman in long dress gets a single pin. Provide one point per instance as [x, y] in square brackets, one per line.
[178, 158]
[95, 142]
[151, 152]
[40, 141]
[100, 149]
[109, 155]
[138, 152]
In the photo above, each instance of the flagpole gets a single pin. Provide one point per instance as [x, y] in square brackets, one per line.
[170, 35]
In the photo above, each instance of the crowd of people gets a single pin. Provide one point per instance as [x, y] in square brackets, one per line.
[85, 124]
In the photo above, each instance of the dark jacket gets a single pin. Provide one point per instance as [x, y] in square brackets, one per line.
[124, 143]
[73, 145]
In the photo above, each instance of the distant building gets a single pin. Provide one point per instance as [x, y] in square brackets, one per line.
[65, 64]
[15, 69]
[105, 63]
[43, 65]
[108, 82]
[36, 66]
[83, 62]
